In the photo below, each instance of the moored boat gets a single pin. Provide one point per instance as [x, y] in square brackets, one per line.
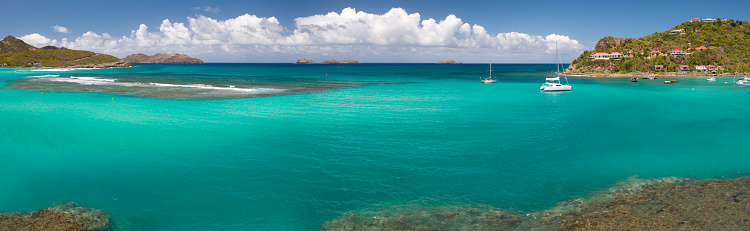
[490, 79]
[553, 84]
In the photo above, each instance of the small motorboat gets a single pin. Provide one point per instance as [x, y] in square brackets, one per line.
[673, 81]
[667, 82]
[711, 78]
[633, 79]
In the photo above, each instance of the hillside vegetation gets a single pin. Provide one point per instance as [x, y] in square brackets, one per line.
[16, 53]
[13, 45]
[727, 43]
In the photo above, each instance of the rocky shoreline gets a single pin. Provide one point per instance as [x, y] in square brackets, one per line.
[101, 65]
[66, 217]
[120, 63]
[641, 74]
[668, 203]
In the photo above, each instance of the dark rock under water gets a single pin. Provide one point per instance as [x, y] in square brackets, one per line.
[68, 217]
[634, 204]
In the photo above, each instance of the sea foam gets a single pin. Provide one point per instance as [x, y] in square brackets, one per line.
[86, 80]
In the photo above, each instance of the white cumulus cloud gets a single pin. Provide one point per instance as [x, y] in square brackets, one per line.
[208, 9]
[38, 40]
[395, 35]
[60, 29]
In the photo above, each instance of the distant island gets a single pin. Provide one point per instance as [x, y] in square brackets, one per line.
[307, 61]
[696, 47]
[15, 53]
[161, 58]
[448, 62]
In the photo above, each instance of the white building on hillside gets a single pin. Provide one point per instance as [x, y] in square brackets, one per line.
[677, 51]
[613, 55]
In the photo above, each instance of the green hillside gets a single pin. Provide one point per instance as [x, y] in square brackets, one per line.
[727, 43]
[16, 53]
[13, 45]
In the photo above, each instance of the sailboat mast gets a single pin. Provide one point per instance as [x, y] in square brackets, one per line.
[559, 61]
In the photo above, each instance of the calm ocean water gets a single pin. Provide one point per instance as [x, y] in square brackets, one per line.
[287, 147]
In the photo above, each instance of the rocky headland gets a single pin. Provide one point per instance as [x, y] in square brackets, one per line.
[15, 53]
[66, 217]
[693, 48]
[161, 58]
[634, 204]
[448, 62]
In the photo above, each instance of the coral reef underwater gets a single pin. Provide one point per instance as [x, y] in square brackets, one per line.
[69, 217]
[634, 204]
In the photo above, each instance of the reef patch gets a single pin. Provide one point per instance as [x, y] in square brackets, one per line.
[69, 217]
[667, 203]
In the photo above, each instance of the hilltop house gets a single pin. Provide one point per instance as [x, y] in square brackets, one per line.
[695, 20]
[658, 67]
[708, 20]
[613, 55]
[680, 31]
[684, 67]
[677, 51]
[700, 68]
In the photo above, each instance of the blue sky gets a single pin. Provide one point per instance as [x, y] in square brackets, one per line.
[578, 24]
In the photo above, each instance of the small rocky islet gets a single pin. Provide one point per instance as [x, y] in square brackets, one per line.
[332, 61]
[635, 204]
[67, 217]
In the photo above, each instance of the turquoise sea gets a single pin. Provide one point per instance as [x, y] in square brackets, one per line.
[288, 147]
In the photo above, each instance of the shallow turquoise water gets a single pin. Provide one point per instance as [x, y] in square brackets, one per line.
[353, 137]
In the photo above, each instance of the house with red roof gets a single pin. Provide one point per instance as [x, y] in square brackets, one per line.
[695, 20]
[700, 48]
[658, 67]
[677, 51]
[684, 67]
[711, 67]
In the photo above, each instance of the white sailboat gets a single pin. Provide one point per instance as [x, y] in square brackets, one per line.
[553, 84]
[490, 79]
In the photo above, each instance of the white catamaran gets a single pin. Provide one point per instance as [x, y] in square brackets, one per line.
[553, 84]
[490, 79]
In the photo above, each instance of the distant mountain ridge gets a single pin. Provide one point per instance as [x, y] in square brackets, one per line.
[161, 58]
[693, 46]
[17, 53]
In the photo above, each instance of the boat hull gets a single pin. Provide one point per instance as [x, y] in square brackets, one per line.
[556, 88]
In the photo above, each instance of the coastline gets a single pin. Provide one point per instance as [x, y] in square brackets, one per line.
[641, 74]
[86, 66]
